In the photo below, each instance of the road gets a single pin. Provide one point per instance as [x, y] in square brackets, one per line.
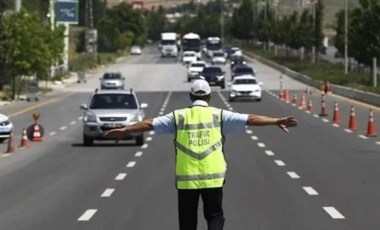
[319, 176]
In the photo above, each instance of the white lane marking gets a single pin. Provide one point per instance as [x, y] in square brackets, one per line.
[307, 111]
[148, 138]
[293, 175]
[325, 120]
[108, 192]
[87, 215]
[63, 128]
[162, 109]
[363, 137]
[269, 153]
[261, 145]
[131, 164]
[144, 146]
[80, 118]
[248, 131]
[335, 214]
[5, 155]
[230, 109]
[52, 133]
[378, 142]
[255, 138]
[161, 113]
[120, 176]
[310, 191]
[279, 162]
[316, 115]
[151, 132]
[348, 130]
[138, 154]
[73, 123]
[335, 125]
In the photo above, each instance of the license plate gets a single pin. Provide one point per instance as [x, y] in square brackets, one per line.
[113, 125]
[4, 130]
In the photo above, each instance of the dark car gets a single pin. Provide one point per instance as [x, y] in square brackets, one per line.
[213, 75]
[240, 70]
[237, 60]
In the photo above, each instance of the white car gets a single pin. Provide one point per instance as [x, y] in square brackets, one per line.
[6, 127]
[194, 69]
[245, 86]
[189, 57]
[218, 57]
[135, 50]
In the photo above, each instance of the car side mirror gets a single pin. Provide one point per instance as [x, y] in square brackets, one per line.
[144, 105]
[229, 84]
[83, 107]
[260, 83]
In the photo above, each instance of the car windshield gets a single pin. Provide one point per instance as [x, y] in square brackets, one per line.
[198, 65]
[218, 54]
[244, 71]
[212, 70]
[112, 76]
[238, 58]
[113, 101]
[245, 81]
[189, 54]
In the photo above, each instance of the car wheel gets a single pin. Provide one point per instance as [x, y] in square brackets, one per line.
[87, 141]
[231, 99]
[2, 140]
[222, 86]
[259, 100]
[188, 80]
[140, 140]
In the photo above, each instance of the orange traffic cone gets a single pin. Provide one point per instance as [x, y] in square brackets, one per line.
[336, 115]
[323, 106]
[353, 124]
[36, 133]
[371, 129]
[24, 140]
[310, 106]
[282, 95]
[287, 100]
[302, 104]
[11, 147]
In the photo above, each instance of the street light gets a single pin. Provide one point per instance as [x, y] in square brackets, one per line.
[346, 36]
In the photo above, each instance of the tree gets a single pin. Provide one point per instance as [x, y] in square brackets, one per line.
[241, 27]
[340, 32]
[27, 47]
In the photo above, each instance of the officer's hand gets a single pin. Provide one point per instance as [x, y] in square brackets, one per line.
[286, 122]
[117, 134]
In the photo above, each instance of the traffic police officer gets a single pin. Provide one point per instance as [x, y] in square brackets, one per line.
[200, 164]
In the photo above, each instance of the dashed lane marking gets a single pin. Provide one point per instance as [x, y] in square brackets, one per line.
[73, 123]
[120, 176]
[63, 128]
[131, 164]
[293, 175]
[80, 118]
[108, 192]
[255, 138]
[316, 115]
[161, 113]
[378, 142]
[279, 162]
[336, 125]
[348, 130]
[5, 155]
[261, 145]
[144, 146]
[248, 131]
[151, 132]
[269, 153]
[325, 120]
[87, 215]
[138, 154]
[335, 214]
[363, 136]
[310, 191]
[148, 138]
[52, 133]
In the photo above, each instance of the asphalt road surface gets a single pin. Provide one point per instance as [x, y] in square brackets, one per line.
[320, 176]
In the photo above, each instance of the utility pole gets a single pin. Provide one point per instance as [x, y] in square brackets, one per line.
[18, 5]
[314, 32]
[91, 32]
[221, 23]
[346, 36]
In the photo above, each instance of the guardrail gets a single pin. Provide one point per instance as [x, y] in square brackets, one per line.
[370, 98]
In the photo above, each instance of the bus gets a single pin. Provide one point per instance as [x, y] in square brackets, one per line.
[213, 44]
[192, 42]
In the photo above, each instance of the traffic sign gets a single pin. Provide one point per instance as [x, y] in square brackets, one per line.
[66, 11]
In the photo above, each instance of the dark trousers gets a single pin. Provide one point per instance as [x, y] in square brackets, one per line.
[188, 200]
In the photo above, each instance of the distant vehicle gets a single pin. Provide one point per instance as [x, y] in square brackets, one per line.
[213, 44]
[6, 127]
[237, 60]
[218, 57]
[213, 75]
[189, 57]
[239, 70]
[192, 42]
[112, 80]
[168, 44]
[110, 109]
[135, 50]
[194, 69]
[234, 51]
[245, 86]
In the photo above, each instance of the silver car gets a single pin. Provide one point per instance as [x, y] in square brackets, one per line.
[110, 109]
[6, 127]
[112, 80]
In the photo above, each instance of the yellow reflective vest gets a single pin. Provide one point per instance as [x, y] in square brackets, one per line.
[200, 161]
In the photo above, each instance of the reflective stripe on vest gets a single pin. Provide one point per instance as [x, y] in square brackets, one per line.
[200, 160]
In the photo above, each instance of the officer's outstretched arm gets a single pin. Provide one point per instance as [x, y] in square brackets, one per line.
[119, 134]
[283, 123]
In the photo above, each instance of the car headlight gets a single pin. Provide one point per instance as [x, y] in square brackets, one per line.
[136, 118]
[257, 90]
[234, 91]
[202, 77]
[220, 77]
[4, 123]
[232, 63]
[89, 117]
[244, 62]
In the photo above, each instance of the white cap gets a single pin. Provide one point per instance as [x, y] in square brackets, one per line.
[200, 88]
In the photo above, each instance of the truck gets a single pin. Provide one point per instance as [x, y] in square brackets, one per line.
[168, 44]
[192, 42]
